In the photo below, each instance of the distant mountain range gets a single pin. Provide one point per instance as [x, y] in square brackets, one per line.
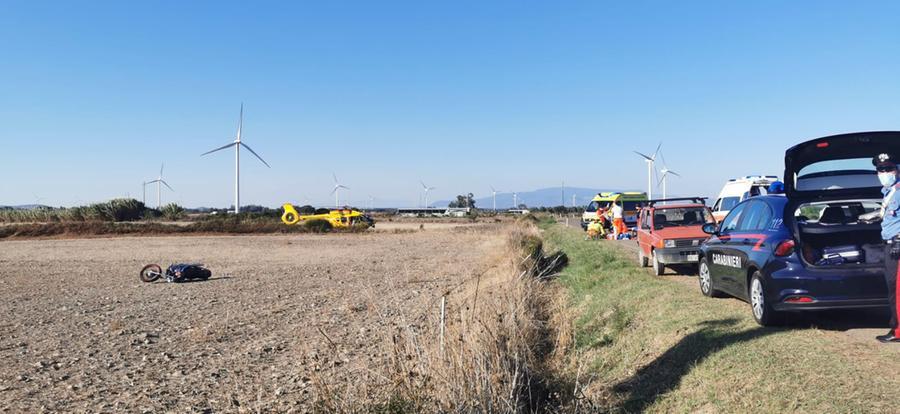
[544, 197]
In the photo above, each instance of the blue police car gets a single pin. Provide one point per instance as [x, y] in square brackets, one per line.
[815, 247]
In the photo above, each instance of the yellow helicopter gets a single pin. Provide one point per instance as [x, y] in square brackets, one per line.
[341, 218]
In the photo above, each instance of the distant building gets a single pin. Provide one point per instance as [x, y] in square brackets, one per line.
[421, 211]
[458, 211]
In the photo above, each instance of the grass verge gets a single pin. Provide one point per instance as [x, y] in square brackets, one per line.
[644, 343]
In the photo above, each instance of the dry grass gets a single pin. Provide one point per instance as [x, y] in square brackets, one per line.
[228, 225]
[503, 331]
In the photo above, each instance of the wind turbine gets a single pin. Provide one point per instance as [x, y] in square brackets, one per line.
[144, 194]
[371, 203]
[237, 160]
[573, 200]
[159, 181]
[515, 200]
[427, 189]
[494, 197]
[665, 173]
[337, 190]
[650, 161]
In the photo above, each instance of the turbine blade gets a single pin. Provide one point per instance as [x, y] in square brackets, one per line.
[674, 173]
[663, 157]
[218, 149]
[161, 166]
[657, 149]
[254, 153]
[166, 184]
[646, 157]
[423, 185]
[240, 122]
[333, 190]
[333, 175]
[151, 182]
[344, 187]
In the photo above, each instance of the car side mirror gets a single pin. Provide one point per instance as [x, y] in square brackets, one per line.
[711, 228]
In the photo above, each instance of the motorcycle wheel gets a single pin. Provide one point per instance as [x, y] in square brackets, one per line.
[150, 273]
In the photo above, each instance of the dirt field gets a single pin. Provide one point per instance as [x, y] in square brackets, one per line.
[281, 316]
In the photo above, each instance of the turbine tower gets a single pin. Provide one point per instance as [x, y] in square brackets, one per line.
[427, 189]
[494, 197]
[159, 181]
[650, 161]
[237, 143]
[337, 190]
[665, 173]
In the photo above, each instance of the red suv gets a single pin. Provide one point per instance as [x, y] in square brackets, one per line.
[670, 232]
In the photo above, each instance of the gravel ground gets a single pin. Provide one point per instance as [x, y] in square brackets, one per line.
[281, 316]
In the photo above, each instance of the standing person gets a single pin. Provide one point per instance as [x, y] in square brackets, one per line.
[618, 219]
[886, 166]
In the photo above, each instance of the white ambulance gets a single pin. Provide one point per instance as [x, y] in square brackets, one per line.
[740, 189]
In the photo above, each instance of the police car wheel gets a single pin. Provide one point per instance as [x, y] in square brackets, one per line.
[658, 268]
[642, 260]
[761, 309]
[706, 283]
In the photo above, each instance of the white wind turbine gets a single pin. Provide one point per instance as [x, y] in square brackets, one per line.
[427, 189]
[665, 173]
[159, 181]
[237, 143]
[650, 161]
[494, 197]
[337, 190]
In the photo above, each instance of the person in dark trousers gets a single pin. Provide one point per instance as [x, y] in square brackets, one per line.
[886, 166]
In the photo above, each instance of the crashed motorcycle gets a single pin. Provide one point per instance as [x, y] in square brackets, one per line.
[179, 272]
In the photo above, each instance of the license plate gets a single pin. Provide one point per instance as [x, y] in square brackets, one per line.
[693, 258]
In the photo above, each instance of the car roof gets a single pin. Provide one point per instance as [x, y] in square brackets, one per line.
[677, 205]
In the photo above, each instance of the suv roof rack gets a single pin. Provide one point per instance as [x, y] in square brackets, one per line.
[698, 200]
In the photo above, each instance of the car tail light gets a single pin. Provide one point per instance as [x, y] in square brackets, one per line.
[799, 299]
[785, 248]
[822, 145]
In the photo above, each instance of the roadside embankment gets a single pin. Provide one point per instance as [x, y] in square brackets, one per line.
[644, 343]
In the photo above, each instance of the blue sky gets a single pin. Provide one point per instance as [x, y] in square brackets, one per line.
[462, 95]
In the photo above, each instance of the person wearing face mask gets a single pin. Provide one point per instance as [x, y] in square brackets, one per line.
[886, 166]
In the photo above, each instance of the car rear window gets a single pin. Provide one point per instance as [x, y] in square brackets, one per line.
[837, 212]
[673, 217]
[837, 174]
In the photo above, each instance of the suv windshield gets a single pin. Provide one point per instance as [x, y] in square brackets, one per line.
[672, 217]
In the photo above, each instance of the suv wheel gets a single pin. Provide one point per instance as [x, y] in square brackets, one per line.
[762, 310]
[706, 282]
[658, 268]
